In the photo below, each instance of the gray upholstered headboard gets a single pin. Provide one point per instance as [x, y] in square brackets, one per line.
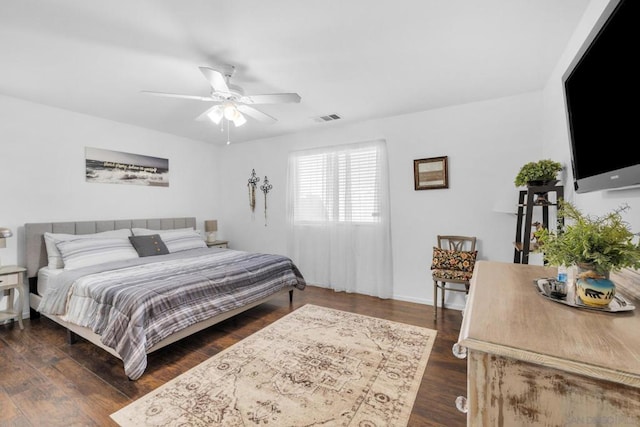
[34, 232]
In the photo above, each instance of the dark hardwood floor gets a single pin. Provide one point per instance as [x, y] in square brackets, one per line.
[44, 381]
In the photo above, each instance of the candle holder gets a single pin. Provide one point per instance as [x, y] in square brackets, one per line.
[265, 187]
[252, 183]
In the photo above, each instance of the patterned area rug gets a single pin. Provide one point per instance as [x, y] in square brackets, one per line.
[314, 367]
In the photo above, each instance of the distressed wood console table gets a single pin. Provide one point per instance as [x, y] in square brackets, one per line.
[532, 361]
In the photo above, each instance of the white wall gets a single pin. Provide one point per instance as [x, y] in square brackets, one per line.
[556, 140]
[486, 143]
[43, 164]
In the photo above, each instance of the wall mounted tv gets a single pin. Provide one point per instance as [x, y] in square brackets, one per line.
[601, 94]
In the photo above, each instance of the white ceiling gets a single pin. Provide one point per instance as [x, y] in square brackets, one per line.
[361, 59]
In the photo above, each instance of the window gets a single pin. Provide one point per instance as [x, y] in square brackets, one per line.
[337, 184]
[339, 231]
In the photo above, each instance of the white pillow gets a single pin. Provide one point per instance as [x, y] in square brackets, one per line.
[181, 239]
[50, 240]
[80, 253]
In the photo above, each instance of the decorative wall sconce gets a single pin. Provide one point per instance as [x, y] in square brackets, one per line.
[265, 187]
[252, 184]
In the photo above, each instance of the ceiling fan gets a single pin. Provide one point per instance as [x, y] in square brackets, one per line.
[230, 101]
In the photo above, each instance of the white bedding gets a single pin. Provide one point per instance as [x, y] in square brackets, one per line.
[45, 277]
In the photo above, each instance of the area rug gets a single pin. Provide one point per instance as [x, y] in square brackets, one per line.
[313, 367]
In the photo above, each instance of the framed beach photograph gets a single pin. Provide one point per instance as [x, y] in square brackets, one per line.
[430, 173]
[117, 167]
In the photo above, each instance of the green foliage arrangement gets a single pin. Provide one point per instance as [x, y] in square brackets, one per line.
[604, 242]
[542, 170]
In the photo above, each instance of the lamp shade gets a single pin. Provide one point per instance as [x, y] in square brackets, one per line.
[216, 114]
[211, 225]
[239, 120]
[4, 232]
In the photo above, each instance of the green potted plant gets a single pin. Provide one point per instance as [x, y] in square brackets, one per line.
[538, 173]
[597, 245]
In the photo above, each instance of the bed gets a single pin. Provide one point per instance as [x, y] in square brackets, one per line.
[134, 296]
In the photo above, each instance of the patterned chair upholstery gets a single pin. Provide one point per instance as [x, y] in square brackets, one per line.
[453, 262]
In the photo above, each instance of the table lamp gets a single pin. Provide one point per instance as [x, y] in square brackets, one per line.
[210, 227]
[4, 233]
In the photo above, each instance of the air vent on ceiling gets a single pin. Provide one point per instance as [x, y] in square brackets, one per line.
[327, 118]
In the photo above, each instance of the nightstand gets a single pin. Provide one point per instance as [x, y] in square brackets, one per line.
[10, 280]
[218, 244]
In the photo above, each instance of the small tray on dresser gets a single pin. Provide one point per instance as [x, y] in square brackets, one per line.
[618, 304]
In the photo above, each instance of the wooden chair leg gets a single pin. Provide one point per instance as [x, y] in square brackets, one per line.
[444, 286]
[435, 300]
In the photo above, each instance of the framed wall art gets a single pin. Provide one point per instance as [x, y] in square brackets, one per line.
[430, 173]
[117, 167]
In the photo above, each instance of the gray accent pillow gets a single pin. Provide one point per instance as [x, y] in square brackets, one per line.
[149, 245]
[178, 240]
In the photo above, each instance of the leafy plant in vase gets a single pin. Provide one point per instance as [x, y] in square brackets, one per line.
[542, 172]
[596, 245]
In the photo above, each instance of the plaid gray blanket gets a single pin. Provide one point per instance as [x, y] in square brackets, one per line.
[134, 305]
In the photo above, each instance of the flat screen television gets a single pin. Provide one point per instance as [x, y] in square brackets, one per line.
[602, 96]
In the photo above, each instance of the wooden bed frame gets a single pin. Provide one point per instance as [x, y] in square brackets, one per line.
[36, 258]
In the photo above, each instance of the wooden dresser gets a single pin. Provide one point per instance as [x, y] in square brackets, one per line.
[532, 361]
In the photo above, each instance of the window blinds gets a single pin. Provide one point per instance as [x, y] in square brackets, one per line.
[338, 186]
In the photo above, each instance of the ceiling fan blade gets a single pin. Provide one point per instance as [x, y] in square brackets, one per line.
[273, 98]
[256, 114]
[216, 79]
[177, 95]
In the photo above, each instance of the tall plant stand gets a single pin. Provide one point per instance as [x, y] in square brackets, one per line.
[535, 196]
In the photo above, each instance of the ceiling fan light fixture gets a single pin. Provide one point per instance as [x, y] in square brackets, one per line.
[230, 112]
[216, 115]
[239, 120]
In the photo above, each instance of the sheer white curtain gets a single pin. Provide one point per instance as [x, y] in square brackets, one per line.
[338, 215]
